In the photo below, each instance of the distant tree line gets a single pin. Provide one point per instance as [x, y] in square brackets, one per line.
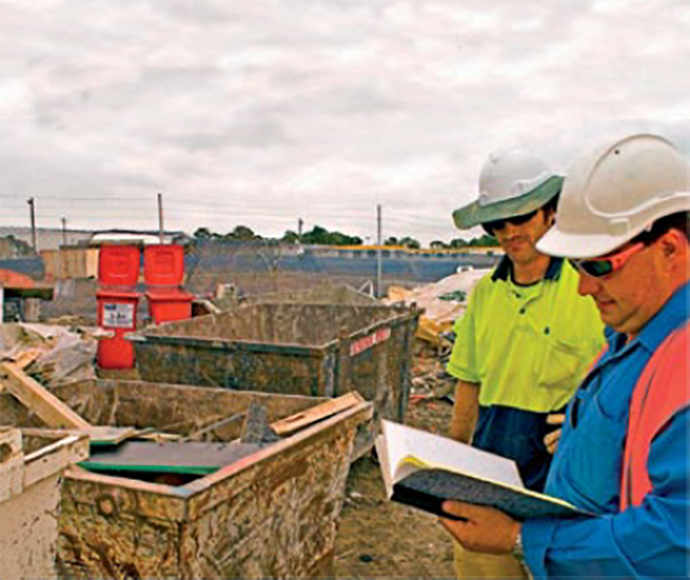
[317, 236]
[10, 246]
[405, 242]
[481, 242]
[321, 236]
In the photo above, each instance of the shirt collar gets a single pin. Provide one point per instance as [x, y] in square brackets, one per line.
[505, 267]
[672, 315]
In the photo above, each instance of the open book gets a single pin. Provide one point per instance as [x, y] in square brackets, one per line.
[423, 470]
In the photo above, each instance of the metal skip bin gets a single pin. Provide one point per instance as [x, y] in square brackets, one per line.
[272, 513]
[118, 272]
[306, 349]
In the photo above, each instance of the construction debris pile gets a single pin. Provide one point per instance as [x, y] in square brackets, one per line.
[443, 302]
[304, 378]
[53, 355]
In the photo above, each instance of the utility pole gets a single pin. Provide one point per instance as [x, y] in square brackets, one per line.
[160, 217]
[379, 289]
[32, 213]
[64, 231]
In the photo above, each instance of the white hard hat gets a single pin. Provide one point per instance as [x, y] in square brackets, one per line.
[614, 193]
[511, 183]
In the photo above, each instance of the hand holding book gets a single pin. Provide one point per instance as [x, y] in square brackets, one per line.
[424, 470]
[481, 529]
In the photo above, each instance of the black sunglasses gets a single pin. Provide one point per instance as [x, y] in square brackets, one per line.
[491, 227]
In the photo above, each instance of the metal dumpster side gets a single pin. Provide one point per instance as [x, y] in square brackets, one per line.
[244, 349]
[320, 294]
[271, 514]
[170, 407]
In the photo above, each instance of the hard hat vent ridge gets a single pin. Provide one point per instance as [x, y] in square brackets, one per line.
[611, 194]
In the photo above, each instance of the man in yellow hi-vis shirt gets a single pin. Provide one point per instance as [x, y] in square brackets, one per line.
[526, 339]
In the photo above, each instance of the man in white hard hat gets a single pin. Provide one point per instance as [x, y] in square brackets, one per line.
[624, 452]
[526, 339]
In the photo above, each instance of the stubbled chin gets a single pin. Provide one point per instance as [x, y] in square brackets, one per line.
[523, 253]
[610, 317]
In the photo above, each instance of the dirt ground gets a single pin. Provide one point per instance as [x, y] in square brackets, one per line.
[378, 538]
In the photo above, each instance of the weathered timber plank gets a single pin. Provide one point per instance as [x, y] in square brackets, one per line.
[24, 359]
[101, 434]
[296, 422]
[52, 458]
[34, 396]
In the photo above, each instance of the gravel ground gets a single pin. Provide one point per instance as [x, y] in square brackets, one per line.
[382, 539]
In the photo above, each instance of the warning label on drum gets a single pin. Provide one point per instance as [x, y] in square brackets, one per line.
[118, 315]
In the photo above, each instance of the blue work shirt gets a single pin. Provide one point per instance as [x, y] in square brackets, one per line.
[650, 541]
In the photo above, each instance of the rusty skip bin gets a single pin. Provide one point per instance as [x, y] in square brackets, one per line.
[270, 514]
[309, 349]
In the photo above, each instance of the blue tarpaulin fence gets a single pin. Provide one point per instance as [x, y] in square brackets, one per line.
[204, 258]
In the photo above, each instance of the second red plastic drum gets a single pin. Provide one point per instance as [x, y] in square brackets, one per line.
[163, 274]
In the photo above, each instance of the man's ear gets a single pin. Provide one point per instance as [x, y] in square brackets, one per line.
[673, 243]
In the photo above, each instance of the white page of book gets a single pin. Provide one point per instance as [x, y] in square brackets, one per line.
[386, 471]
[440, 451]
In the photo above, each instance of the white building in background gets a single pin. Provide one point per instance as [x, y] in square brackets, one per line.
[145, 238]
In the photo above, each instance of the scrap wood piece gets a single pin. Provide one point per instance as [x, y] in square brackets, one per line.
[101, 435]
[36, 398]
[296, 422]
[48, 433]
[158, 436]
[24, 359]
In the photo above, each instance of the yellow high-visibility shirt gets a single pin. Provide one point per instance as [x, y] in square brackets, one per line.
[528, 346]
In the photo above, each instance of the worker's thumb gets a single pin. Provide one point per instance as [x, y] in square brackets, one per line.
[457, 509]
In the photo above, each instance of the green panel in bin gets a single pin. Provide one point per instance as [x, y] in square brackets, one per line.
[190, 458]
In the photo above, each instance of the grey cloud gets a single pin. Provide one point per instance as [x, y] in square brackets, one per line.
[207, 13]
[364, 99]
[176, 77]
[214, 96]
[246, 132]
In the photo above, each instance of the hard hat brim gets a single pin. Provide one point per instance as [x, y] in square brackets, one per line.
[568, 245]
[476, 214]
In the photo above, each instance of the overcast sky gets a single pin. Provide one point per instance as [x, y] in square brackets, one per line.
[258, 112]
